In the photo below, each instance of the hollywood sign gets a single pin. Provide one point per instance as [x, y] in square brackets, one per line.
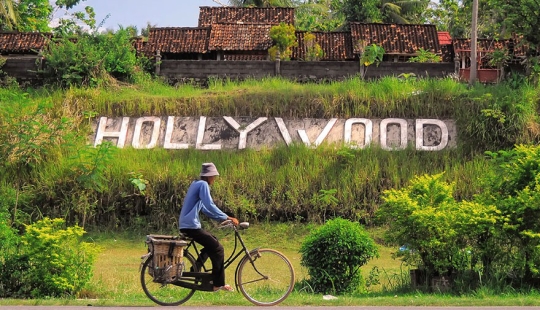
[207, 133]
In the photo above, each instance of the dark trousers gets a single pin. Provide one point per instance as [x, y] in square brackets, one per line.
[212, 249]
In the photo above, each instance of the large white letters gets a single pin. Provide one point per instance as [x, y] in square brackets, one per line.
[392, 134]
[368, 132]
[200, 135]
[121, 135]
[403, 133]
[242, 140]
[420, 134]
[155, 132]
[167, 144]
[320, 138]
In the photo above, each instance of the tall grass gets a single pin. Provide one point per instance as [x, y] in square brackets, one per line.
[280, 184]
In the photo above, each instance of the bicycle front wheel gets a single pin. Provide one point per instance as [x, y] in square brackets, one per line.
[166, 294]
[267, 278]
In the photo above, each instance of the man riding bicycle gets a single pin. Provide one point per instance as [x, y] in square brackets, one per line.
[198, 199]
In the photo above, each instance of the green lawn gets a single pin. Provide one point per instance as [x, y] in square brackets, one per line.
[116, 276]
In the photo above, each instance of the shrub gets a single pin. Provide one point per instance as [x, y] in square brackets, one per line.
[89, 59]
[424, 56]
[51, 262]
[514, 187]
[444, 237]
[333, 255]
[284, 38]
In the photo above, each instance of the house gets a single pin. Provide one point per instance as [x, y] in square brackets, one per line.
[337, 46]
[178, 43]
[223, 33]
[445, 42]
[400, 42]
[209, 16]
[21, 44]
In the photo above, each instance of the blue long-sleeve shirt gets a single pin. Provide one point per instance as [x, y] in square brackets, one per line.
[198, 199]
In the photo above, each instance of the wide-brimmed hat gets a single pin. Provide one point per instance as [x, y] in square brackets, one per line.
[208, 170]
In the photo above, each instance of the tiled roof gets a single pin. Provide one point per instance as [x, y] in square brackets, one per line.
[483, 45]
[178, 40]
[138, 44]
[514, 46]
[226, 14]
[336, 45]
[240, 37]
[23, 42]
[444, 37]
[397, 39]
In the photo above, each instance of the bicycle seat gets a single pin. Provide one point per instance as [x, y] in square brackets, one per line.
[185, 237]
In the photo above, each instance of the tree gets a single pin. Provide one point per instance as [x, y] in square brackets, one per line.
[34, 15]
[322, 15]
[31, 15]
[8, 15]
[284, 38]
[388, 11]
[523, 18]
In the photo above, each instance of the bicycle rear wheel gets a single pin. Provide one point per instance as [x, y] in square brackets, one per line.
[268, 280]
[166, 294]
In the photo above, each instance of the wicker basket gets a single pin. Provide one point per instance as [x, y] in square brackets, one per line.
[167, 257]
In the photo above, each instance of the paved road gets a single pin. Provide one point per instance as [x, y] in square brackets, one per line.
[273, 308]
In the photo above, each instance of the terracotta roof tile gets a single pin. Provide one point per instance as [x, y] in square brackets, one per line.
[336, 45]
[444, 37]
[397, 39]
[139, 44]
[240, 37]
[23, 42]
[226, 14]
[515, 46]
[178, 40]
[484, 45]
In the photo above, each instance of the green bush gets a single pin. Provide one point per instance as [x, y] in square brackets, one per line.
[333, 255]
[89, 59]
[514, 187]
[51, 262]
[444, 237]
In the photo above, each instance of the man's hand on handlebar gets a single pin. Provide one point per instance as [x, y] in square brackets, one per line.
[234, 220]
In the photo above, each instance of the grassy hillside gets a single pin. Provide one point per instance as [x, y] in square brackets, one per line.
[50, 171]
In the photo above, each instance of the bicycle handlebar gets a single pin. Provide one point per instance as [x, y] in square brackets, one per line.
[230, 224]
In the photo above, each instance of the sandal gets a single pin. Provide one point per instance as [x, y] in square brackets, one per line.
[225, 287]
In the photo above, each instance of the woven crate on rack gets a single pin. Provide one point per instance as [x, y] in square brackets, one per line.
[167, 257]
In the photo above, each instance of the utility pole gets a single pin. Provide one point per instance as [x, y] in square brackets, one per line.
[474, 33]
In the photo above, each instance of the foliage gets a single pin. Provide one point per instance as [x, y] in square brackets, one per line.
[386, 11]
[314, 51]
[424, 56]
[514, 187]
[34, 15]
[499, 57]
[88, 60]
[520, 17]
[29, 134]
[319, 16]
[284, 38]
[372, 54]
[333, 255]
[438, 231]
[52, 262]
[8, 15]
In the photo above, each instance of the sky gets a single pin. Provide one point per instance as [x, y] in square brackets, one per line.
[161, 13]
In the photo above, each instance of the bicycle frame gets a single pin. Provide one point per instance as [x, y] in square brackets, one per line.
[190, 279]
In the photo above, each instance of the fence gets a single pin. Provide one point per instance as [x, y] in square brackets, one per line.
[181, 69]
[25, 68]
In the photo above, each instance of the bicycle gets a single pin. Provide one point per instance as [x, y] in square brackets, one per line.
[170, 274]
